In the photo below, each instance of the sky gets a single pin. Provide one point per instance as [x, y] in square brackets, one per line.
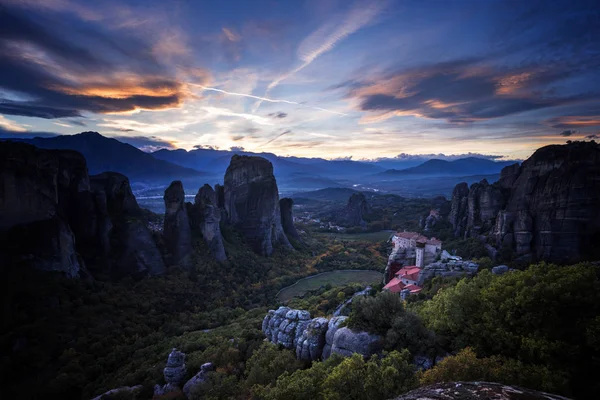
[328, 78]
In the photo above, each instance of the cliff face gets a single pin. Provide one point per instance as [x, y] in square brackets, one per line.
[546, 209]
[355, 211]
[251, 199]
[55, 216]
[287, 218]
[177, 232]
[206, 216]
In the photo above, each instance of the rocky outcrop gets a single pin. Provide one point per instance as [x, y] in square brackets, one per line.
[509, 175]
[355, 211]
[175, 369]
[545, 209]
[459, 208]
[114, 228]
[476, 391]
[205, 215]
[177, 232]
[334, 324]
[347, 342]
[318, 338]
[251, 199]
[483, 204]
[312, 340]
[122, 392]
[55, 216]
[191, 387]
[287, 219]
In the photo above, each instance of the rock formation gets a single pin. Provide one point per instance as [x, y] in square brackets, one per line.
[175, 369]
[476, 391]
[287, 218]
[205, 215]
[251, 200]
[318, 338]
[355, 211]
[122, 392]
[459, 210]
[312, 340]
[54, 216]
[546, 209]
[191, 387]
[177, 231]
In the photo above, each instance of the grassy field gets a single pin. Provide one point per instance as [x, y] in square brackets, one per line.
[381, 236]
[335, 278]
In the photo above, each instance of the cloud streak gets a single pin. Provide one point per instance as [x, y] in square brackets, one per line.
[327, 36]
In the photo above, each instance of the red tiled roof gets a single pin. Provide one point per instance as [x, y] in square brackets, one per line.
[395, 285]
[411, 269]
[414, 288]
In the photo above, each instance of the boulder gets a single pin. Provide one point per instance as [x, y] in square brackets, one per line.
[177, 232]
[287, 219]
[285, 326]
[311, 341]
[500, 269]
[346, 342]
[251, 199]
[334, 325]
[122, 392]
[205, 215]
[167, 389]
[476, 391]
[175, 370]
[192, 386]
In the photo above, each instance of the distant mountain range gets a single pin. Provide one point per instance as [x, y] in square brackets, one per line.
[294, 174]
[106, 154]
[463, 166]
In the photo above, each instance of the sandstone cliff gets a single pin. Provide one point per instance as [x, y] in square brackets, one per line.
[545, 209]
[287, 218]
[205, 215]
[355, 211]
[251, 199]
[176, 230]
[54, 216]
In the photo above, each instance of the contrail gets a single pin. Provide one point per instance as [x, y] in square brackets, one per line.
[265, 99]
[277, 137]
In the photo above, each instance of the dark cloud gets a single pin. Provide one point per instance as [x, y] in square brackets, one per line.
[76, 122]
[236, 148]
[8, 134]
[594, 136]
[76, 68]
[205, 147]
[237, 138]
[567, 133]
[125, 130]
[440, 156]
[461, 92]
[146, 143]
[278, 114]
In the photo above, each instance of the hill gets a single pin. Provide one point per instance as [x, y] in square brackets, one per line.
[106, 154]
[462, 166]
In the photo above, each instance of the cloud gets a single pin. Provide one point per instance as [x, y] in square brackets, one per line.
[574, 121]
[10, 125]
[231, 35]
[327, 36]
[146, 143]
[440, 156]
[236, 148]
[459, 92]
[278, 114]
[278, 136]
[567, 133]
[594, 136]
[10, 134]
[205, 147]
[51, 62]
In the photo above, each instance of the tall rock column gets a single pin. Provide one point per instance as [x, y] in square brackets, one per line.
[252, 203]
[176, 231]
[459, 209]
[287, 219]
[207, 217]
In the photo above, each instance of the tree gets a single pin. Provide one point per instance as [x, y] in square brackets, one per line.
[267, 363]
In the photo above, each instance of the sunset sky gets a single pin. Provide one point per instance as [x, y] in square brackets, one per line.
[322, 78]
